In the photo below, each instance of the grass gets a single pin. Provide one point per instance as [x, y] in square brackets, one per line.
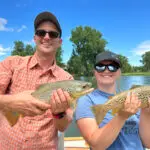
[137, 74]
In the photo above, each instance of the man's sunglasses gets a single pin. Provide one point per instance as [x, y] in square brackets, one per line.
[42, 33]
[110, 67]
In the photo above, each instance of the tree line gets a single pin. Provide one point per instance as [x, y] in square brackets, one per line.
[87, 43]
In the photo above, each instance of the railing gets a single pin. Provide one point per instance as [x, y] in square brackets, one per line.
[60, 141]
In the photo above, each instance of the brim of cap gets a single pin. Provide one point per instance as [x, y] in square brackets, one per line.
[111, 59]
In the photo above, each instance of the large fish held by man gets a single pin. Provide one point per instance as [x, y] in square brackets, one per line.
[75, 88]
[116, 102]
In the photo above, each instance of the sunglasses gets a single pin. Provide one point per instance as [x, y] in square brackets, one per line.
[110, 67]
[42, 33]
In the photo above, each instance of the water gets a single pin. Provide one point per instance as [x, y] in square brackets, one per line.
[125, 83]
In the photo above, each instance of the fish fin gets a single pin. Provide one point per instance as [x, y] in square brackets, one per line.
[109, 97]
[135, 86]
[115, 111]
[73, 103]
[12, 117]
[99, 112]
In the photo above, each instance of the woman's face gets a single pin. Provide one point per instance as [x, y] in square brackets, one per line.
[107, 77]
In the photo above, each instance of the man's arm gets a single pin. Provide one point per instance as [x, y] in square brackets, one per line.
[23, 103]
[62, 123]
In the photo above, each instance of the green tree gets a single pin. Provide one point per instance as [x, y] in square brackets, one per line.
[87, 43]
[59, 57]
[137, 69]
[29, 50]
[126, 67]
[74, 66]
[18, 48]
[22, 50]
[146, 61]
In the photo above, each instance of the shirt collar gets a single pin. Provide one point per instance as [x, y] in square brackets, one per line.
[52, 69]
[33, 62]
[105, 93]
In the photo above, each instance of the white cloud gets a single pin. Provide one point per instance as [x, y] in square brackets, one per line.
[29, 42]
[3, 51]
[3, 27]
[22, 28]
[142, 48]
[67, 38]
[3, 23]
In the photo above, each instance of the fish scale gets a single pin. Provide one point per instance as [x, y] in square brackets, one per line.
[116, 102]
[76, 88]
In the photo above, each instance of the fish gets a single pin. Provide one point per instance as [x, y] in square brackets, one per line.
[75, 88]
[116, 102]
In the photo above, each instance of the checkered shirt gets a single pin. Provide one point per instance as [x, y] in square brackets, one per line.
[18, 74]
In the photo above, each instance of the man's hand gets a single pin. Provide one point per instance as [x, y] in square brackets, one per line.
[131, 106]
[59, 101]
[24, 103]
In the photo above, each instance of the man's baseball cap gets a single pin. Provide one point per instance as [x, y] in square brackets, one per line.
[107, 55]
[47, 16]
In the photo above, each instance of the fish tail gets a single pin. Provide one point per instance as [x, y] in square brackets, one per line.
[12, 117]
[99, 112]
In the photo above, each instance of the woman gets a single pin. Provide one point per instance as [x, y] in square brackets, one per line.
[129, 129]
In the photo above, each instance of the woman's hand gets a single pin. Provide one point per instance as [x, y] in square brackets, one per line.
[131, 106]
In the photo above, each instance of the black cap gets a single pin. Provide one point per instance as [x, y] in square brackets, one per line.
[107, 55]
[47, 16]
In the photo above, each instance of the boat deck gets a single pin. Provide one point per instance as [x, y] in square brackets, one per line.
[75, 143]
[79, 148]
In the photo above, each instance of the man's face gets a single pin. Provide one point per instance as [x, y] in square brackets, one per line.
[47, 43]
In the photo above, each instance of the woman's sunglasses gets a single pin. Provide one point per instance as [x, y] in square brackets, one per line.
[110, 67]
[42, 33]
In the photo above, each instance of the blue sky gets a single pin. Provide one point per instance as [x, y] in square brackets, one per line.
[125, 24]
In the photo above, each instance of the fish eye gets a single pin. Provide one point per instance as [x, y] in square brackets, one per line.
[84, 86]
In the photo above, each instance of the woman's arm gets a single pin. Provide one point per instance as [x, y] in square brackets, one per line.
[98, 138]
[144, 126]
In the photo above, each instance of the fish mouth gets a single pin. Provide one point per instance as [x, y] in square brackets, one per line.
[87, 91]
[83, 93]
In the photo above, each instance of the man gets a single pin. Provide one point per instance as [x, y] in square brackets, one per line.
[38, 130]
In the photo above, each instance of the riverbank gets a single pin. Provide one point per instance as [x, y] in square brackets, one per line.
[137, 74]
